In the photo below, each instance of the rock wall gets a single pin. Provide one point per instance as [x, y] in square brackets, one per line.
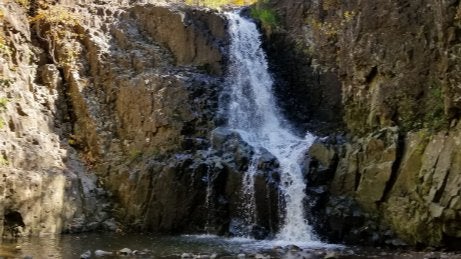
[397, 65]
[45, 188]
[141, 87]
[118, 101]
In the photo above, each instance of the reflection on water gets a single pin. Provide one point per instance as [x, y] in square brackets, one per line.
[72, 246]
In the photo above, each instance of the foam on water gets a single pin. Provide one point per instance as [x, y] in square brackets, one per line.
[252, 112]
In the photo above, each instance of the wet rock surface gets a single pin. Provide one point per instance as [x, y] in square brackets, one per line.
[394, 65]
[131, 99]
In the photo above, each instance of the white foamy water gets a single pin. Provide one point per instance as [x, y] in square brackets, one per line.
[252, 112]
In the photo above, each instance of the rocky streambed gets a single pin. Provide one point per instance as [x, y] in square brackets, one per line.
[190, 246]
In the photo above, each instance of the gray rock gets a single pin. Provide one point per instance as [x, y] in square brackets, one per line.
[102, 253]
[86, 255]
[331, 255]
[125, 251]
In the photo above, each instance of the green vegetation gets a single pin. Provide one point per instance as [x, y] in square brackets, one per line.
[23, 3]
[334, 25]
[6, 82]
[428, 112]
[133, 155]
[3, 102]
[3, 161]
[434, 117]
[4, 49]
[56, 15]
[262, 12]
[46, 23]
[266, 16]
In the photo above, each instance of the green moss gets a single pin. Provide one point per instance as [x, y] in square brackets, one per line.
[434, 117]
[356, 118]
[424, 136]
[266, 16]
[426, 112]
[3, 102]
[133, 155]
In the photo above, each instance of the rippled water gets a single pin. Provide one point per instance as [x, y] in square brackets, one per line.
[72, 246]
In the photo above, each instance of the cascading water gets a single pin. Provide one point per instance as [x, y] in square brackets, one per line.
[253, 114]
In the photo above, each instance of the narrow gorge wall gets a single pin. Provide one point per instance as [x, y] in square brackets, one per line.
[398, 67]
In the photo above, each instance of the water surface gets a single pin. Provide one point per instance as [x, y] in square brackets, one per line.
[72, 246]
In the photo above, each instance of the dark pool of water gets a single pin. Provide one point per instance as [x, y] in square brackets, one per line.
[72, 246]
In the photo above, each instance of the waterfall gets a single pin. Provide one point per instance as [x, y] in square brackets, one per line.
[252, 113]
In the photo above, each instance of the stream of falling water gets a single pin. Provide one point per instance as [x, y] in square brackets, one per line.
[252, 113]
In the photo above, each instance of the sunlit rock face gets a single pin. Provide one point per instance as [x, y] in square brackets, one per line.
[117, 101]
[397, 67]
[45, 187]
[93, 96]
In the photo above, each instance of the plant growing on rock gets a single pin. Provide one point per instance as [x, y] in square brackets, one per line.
[5, 82]
[265, 15]
[3, 102]
[60, 29]
[23, 3]
[3, 160]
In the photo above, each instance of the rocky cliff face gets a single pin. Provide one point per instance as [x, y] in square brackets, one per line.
[118, 101]
[45, 187]
[398, 64]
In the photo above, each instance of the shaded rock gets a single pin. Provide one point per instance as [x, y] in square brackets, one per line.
[402, 177]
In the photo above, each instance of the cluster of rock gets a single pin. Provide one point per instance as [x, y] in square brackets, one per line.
[110, 111]
[391, 72]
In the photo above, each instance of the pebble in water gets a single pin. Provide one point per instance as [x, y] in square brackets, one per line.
[294, 248]
[102, 253]
[125, 251]
[86, 255]
[331, 255]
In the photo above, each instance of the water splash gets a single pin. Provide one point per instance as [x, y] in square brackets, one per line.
[248, 193]
[253, 114]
